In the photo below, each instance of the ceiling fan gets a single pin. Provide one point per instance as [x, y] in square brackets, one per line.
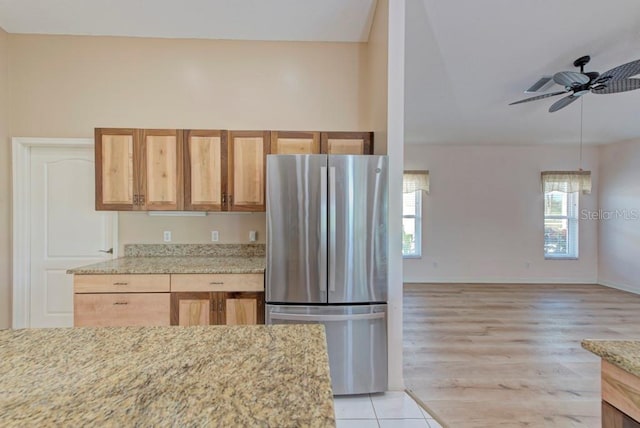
[577, 84]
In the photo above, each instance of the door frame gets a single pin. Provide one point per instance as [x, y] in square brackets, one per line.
[21, 185]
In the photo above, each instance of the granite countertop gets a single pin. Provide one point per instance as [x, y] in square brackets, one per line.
[624, 354]
[173, 264]
[181, 258]
[271, 376]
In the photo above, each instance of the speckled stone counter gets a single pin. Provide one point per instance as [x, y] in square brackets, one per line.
[181, 258]
[149, 265]
[268, 376]
[624, 354]
[197, 250]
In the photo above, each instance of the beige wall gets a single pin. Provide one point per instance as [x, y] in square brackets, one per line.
[231, 227]
[5, 188]
[376, 78]
[64, 86]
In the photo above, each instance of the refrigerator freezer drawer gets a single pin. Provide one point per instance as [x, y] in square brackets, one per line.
[356, 340]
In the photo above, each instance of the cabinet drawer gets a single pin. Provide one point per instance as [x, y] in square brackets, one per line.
[121, 283]
[218, 282]
[121, 309]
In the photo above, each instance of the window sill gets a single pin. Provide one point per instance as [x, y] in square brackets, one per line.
[561, 258]
[412, 256]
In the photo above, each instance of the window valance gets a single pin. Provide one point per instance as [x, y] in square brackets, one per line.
[566, 181]
[415, 180]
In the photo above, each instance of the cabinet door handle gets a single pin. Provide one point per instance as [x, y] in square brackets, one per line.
[220, 306]
[109, 251]
[135, 199]
[120, 283]
[121, 303]
[216, 283]
[224, 198]
[230, 200]
[141, 199]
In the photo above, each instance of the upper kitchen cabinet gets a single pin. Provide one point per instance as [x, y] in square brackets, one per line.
[247, 170]
[116, 182]
[295, 143]
[347, 143]
[161, 169]
[138, 169]
[205, 170]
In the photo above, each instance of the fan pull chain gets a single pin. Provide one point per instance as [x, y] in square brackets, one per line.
[581, 109]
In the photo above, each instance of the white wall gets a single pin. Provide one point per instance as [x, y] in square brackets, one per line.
[483, 217]
[395, 150]
[619, 232]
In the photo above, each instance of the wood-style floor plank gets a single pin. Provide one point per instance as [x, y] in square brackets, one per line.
[509, 355]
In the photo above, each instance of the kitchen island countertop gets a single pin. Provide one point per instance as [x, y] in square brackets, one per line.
[624, 354]
[166, 376]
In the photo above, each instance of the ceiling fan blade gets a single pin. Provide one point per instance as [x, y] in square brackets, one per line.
[614, 86]
[539, 97]
[562, 103]
[569, 78]
[620, 72]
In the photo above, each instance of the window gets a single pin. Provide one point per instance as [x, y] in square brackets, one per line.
[414, 184]
[560, 225]
[561, 193]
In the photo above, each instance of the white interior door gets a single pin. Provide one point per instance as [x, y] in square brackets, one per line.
[65, 230]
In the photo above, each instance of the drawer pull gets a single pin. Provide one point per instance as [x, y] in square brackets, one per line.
[216, 283]
[120, 283]
[121, 303]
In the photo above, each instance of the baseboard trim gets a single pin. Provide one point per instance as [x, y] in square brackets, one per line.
[503, 280]
[622, 287]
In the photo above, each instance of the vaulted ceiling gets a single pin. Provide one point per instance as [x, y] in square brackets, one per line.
[466, 60]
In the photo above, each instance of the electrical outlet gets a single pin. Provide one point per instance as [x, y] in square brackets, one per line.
[253, 236]
[214, 236]
[166, 236]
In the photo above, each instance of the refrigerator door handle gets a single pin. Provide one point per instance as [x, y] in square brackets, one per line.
[332, 229]
[324, 318]
[323, 230]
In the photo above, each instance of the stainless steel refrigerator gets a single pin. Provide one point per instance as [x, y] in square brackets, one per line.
[327, 258]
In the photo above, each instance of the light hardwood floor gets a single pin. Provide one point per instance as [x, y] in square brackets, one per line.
[509, 355]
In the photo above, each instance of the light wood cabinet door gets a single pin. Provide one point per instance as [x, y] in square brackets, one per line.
[161, 169]
[295, 143]
[205, 170]
[247, 170]
[192, 309]
[347, 143]
[116, 184]
[240, 308]
[121, 309]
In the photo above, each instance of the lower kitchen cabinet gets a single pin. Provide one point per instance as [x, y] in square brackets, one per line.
[121, 300]
[168, 299]
[121, 309]
[193, 309]
[241, 308]
[217, 308]
[614, 418]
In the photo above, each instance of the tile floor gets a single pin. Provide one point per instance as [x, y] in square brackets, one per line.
[388, 410]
